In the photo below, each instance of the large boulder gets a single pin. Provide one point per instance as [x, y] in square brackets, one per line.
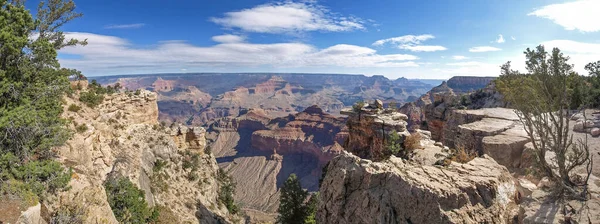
[357, 190]
[583, 125]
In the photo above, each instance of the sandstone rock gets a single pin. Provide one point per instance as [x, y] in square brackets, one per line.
[32, 216]
[356, 190]
[125, 140]
[378, 104]
[507, 150]
[583, 126]
[525, 187]
[368, 130]
[595, 132]
[439, 144]
[424, 134]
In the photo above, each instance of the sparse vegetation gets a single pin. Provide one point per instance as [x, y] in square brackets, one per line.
[226, 191]
[91, 98]
[69, 214]
[74, 108]
[81, 128]
[128, 203]
[393, 144]
[541, 98]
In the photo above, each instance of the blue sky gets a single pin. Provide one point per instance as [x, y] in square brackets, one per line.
[413, 39]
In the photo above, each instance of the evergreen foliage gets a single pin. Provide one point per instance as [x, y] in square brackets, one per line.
[128, 203]
[292, 209]
[32, 83]
[226, 191]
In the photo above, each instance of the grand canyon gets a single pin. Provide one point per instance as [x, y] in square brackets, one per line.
[299, 112]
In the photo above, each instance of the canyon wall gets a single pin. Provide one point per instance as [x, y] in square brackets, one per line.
[122, 138]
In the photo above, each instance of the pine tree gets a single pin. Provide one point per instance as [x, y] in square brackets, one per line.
[292, 209]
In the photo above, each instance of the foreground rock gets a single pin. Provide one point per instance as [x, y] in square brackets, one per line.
[122, 138]
[357, 190]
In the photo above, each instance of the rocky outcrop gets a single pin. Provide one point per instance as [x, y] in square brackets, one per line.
[368, 128]
[357, 190]
[122, 138]
[496, 132]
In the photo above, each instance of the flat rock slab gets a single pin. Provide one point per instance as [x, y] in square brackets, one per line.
[505, 149]
[500, 113]
[487, 126]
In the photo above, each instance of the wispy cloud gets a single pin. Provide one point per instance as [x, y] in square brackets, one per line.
[411, 43]
[578, 15]
[114, 55]
[513, 38]
[125, 26]
[459, 57]
[483, 49]
[500, 39]
[288, 17]
[228, 38]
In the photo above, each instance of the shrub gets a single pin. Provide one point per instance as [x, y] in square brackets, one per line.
[81, 128]
[462, 155]
[91, 98]
[393, 144]
[128, 203]
[69, 214]
[166, 215]
[74, 108]
[158, 165]
[226, 191]
[413, 142]
[31, 180]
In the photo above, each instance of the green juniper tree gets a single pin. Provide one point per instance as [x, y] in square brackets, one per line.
[32, 83]
[292, 209]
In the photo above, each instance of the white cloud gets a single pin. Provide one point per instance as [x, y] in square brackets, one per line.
[288, 17]
[125, 26]
[113, 55]
[228, 38]
[513, 38]
[412, 39]
[459, 57]
[483, 49]
[411, 43]
[580, 53]
[500, 39]
[578, 15]
[426, 48]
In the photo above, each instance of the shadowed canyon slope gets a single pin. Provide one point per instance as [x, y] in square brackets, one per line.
[260, 152]
[198, 98]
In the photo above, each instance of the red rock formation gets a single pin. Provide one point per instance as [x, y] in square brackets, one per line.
[311, 131]
[161, 85]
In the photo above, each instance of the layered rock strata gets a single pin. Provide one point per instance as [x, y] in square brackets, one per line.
[357, 190]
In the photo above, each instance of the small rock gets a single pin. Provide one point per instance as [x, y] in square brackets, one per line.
[438, 144]
[577, 116]
[595, 132]
[581, 125]
[525, 187]
[424, 134]
[378, 104]
[545, 183]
